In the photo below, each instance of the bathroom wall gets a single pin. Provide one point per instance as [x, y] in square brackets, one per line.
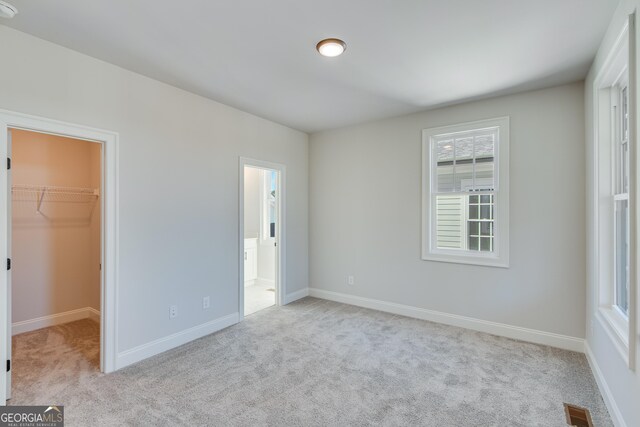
[251, 202]
[266, 263]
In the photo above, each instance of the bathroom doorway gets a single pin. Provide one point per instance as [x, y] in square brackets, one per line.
[261, 236]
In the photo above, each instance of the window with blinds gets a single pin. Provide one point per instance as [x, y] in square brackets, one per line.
[462, 190]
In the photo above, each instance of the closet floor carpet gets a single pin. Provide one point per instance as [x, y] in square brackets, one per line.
[46, 362]
[311, 363]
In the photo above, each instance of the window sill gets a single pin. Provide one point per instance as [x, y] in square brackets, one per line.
[455, 258]
[617, 327]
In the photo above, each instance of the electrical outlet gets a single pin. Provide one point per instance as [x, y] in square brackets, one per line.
[173, 312]
[206, 303]
[351, 280]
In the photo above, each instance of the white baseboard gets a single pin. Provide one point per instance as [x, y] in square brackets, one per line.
[94, 314]
[293, 296]
[161, 345]
[500, 329]
[54, 319]
[613, 409]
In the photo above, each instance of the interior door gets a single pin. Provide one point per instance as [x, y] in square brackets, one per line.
[9, 227]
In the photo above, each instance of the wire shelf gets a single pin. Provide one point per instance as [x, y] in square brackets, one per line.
[55, 190]
[48, 193]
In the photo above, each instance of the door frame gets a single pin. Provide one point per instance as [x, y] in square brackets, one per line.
[109, 232]
[281, 228]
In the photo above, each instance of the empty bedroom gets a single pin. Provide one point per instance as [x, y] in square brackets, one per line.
[302, 213]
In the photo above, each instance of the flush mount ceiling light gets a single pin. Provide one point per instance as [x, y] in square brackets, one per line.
[7, 10]
[331, 47]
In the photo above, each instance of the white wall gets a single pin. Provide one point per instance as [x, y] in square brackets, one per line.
[365, 211]
[267, 263]
[251, 202]
[178, 180]
[621, 386]
[53, 269]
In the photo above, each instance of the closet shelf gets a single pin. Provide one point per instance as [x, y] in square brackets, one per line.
[49, 193]
[72, 191]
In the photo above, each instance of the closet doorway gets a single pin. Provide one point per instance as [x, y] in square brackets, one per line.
[53, 204]
[56, 256]
[262, 224]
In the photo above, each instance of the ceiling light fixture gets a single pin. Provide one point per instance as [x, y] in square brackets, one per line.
[7, 10]
[331, 47]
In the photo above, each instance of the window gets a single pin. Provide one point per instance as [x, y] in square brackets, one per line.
[620, 146]
[480, 222]
[612, 198]
[465, 193]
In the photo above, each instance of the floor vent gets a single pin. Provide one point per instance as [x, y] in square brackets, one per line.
[577, 416]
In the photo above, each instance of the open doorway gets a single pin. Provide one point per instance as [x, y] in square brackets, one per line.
[105, 205]
[56, 255]
[260, 224]
[262, 189]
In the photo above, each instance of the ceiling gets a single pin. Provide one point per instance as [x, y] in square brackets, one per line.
[402, 56]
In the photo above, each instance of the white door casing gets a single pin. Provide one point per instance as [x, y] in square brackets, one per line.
[9, 271]
[281, 227]
[109, 240]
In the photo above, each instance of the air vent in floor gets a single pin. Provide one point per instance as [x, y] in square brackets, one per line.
[577, 416]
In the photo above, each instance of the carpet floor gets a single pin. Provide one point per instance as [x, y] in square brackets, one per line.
[311, 363]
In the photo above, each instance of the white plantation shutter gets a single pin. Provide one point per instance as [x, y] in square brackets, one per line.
[451, 222]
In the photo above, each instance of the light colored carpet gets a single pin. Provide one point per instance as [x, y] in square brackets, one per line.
[258, 297]
[52, 359]
[320, 363]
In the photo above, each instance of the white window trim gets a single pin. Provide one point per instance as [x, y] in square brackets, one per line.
[500, 256]
[621, 329]
[619, 317]
[616, 325]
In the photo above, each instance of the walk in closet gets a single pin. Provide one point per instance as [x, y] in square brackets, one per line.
[55, 254]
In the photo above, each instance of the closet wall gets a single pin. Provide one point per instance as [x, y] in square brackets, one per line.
[56, 251]
[94, 289]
